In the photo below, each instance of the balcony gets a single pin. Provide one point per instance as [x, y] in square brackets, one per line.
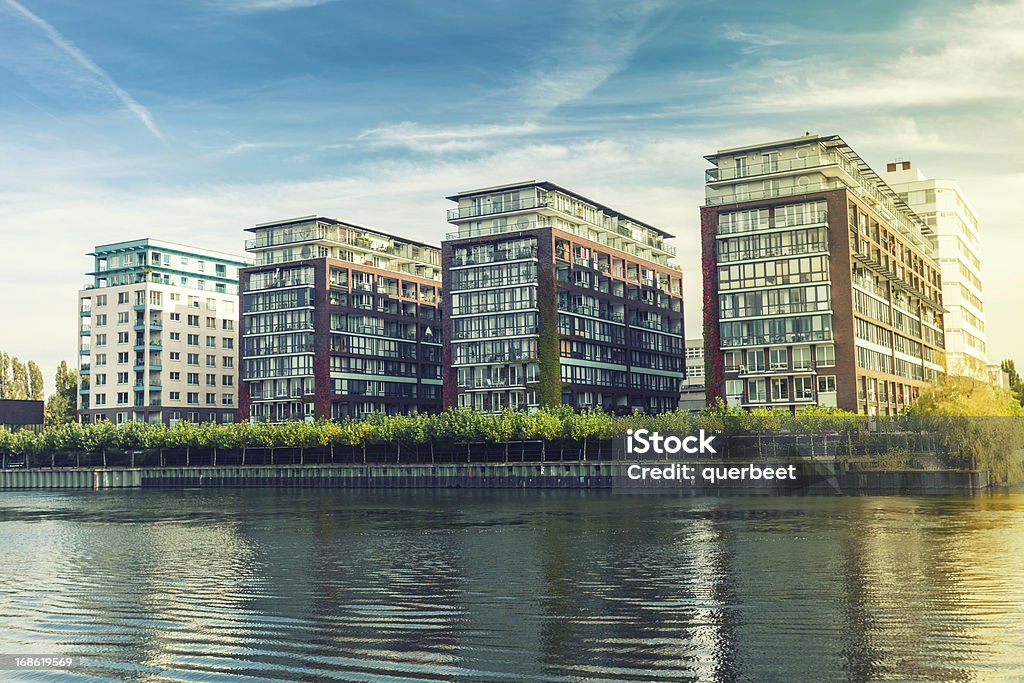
[85, 312]
[83, 369]
[717, 175]
[153, 345]
[495, 208]
[293, 236]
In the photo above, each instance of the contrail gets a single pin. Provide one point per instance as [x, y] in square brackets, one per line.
[83, 59]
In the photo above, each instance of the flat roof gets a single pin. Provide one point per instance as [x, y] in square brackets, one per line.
[557, 188]
[335, 221]
[129, 245]
[808, 137]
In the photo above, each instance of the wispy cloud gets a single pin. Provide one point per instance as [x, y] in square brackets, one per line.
[752, 40]
[83, 60]
[587, 56]
[976, 55]
[444, 139]
[267, 5]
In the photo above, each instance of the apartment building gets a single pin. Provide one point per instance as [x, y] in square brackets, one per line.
[157, 334]
[551, 297]
[942, 206]
[820, 282]
[338, 321]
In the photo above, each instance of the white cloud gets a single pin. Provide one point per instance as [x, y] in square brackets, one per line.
[753, 40]
[439, 139]
[267, 5]
[83, 60]
[598, 47]
[975, 56]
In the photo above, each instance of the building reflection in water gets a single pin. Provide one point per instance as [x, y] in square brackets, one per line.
[539, 586]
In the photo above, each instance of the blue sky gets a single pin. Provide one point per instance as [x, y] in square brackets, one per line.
[190, 120]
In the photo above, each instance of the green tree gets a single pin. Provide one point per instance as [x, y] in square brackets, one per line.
[18, 387]
[60, 407]
[5, 375]
[979, 424]
[36, 391]
[1016, 383]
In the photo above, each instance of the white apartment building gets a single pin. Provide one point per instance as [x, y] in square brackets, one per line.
[158, 338]
[693, 396]
[942, 205]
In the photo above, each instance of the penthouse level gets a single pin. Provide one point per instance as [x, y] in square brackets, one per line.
[338, 320]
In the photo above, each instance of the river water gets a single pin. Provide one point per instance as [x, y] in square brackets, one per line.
[265, 585]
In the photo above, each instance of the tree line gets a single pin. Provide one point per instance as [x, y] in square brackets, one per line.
[24, 382]
[20, 381]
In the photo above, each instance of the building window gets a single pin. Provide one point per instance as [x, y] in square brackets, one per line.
[802, 388]
[756, 391]
[826, 356]
[801, 358]
[827, 384]
[779, 358]
[755, 361]
[780, 389]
